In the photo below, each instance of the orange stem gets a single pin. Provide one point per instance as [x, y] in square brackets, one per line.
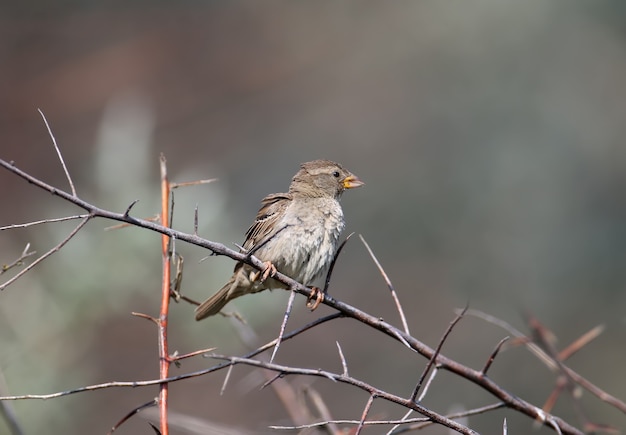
[164, 361]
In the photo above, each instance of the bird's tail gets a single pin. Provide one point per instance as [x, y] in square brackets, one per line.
[215, 303]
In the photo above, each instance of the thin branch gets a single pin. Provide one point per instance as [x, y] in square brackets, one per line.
[429, 382]
[493, 355]
[510, 401]
[191, 354]
[226, 379]
[145, 316]
[155, 218]
[539, 353]
[422, 424]
[283, 325]
[366, 411]
[44, 221]
[436, 353]
[192, 183]
[405, 419]
[47, 254]
[343, 360]
[580, 380]
[580, 342]
[354, 382]
[390, 286]
[322, 410]
[56, 147]
[18, 261]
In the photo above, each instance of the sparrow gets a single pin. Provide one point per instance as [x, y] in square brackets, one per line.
[295, 233]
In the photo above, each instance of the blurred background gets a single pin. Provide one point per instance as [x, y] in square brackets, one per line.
[490, 136]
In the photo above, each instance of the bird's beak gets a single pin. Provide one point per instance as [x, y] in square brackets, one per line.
[351, 182]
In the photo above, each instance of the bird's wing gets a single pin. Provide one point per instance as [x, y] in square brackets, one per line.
[266, 224]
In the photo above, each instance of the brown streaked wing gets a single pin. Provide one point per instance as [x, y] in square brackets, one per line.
[265, 224]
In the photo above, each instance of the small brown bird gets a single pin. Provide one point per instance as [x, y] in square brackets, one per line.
[296, 233]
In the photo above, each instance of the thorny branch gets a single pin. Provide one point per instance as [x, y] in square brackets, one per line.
[343, 310]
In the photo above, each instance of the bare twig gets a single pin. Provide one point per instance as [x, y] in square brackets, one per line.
[343, 360]
[433, 357]
[191, 354]
[192, 183]
[493, 355]
[430, 380]
[226, 379]
[145, 316]
[394, 295]
[366, 411]
[18, 261]
[43, 221]
[421, 423]
[354, 382]
[322, 410]
[155, 218]
[56, 147]
[580, 342]
[283, 325]
[593, 389]
[47, 254]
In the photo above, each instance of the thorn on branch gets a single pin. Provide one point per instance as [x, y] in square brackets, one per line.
[226, 379]
[272, 380]
[147, 317]
[493, 355]
[124, 419]
[132, 204]
[343, 360]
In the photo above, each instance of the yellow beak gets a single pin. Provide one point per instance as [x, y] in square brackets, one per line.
[351, 182]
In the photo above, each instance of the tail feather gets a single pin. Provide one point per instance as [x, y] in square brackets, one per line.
[238, 285]
[214, 304]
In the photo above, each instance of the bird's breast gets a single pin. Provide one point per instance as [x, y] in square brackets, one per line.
[307, 241]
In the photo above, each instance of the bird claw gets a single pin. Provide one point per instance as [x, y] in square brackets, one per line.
[268, 272]
[316, 294]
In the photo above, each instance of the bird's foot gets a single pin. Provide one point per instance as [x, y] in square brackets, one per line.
[268, 272]
[316, 294]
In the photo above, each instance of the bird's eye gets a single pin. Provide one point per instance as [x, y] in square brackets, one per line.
[336, 174]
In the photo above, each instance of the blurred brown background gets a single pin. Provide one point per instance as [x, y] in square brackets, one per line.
[490, 136]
